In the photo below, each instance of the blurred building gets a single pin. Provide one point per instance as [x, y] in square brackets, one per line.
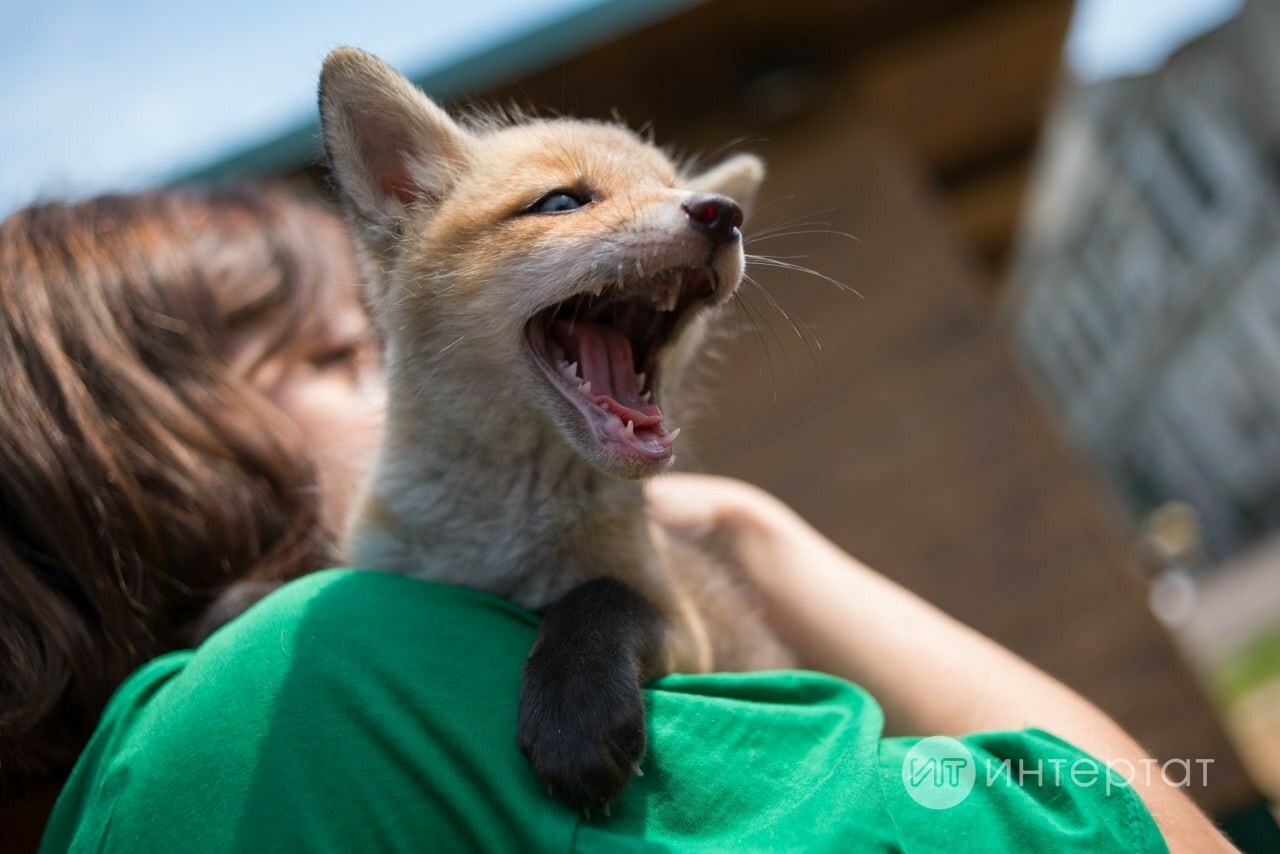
[1147, 288]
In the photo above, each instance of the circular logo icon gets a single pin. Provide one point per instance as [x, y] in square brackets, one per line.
[939, 772]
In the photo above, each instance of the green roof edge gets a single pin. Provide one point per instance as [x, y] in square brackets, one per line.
[531, 50]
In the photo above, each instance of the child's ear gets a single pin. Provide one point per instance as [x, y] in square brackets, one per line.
[389, 145]
[739, 178]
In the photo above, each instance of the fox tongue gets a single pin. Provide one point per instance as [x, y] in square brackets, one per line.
[605, 360]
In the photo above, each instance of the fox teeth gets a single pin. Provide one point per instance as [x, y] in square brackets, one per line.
[674, 433]
[647, 397]
[640, 378]
[570, 370]
[585, 388]
[631, 430]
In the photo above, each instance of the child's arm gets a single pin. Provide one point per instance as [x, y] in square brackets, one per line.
[930, 673]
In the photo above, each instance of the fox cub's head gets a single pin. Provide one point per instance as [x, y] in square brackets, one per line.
[539, 270]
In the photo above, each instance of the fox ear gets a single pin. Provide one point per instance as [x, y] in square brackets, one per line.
[389, 145]
[739, 178]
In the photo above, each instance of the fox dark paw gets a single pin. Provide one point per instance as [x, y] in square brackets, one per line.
[582, 726]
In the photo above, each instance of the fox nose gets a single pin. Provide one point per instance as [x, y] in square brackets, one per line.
[717, 216]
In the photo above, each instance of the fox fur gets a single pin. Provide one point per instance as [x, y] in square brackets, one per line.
[480, 479]
[485, 476]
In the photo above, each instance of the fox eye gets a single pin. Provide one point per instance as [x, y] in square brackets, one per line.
[558, 201]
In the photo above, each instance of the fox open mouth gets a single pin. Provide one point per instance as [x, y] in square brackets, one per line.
[600, 350]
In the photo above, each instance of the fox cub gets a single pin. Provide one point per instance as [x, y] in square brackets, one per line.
[538, 286]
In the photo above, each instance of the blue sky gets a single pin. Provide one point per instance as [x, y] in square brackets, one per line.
[1109, 38]
[97, 96]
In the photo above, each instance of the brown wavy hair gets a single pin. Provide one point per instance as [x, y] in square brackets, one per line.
[140, 475]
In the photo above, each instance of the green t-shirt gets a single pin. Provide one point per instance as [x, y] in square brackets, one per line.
[360, 711]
